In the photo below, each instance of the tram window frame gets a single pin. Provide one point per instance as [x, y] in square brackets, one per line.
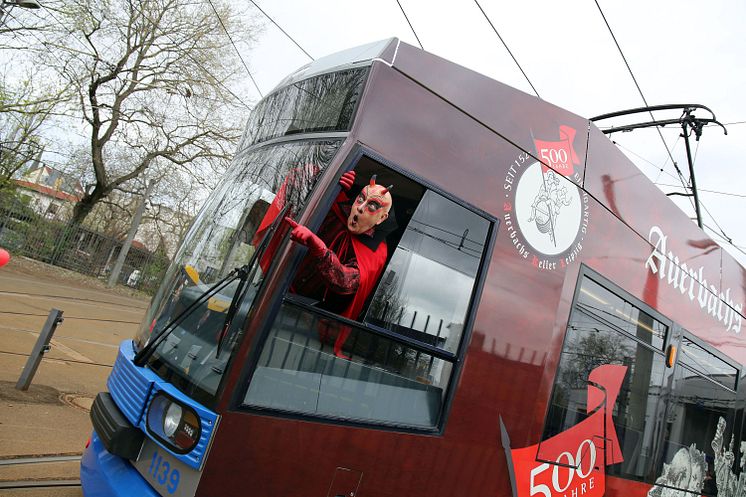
[733, 430]
[653, 471]
[586, 273]
[283, 298]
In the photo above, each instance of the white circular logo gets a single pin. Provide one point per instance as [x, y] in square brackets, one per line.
[548, 210]
[545, 213]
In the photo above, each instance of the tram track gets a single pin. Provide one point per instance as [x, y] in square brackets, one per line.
[24, 483]
[39, 459]
[20, 484]
[82, 300]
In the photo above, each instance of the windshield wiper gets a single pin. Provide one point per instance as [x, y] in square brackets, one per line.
[238, 297]
[240, 273]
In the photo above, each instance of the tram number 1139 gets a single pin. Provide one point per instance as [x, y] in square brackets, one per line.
[163, 473]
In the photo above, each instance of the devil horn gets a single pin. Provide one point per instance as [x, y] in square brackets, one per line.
[373, 180]
[386, 190]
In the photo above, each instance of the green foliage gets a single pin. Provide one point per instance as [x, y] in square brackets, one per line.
[153, 271]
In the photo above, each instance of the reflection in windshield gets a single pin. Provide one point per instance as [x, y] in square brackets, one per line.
[224, 236]
[323, 103]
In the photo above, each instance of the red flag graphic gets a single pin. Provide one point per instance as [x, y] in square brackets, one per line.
[559, 155]
[572, 462]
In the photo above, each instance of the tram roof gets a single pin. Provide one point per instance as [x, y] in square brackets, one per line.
[612, 178]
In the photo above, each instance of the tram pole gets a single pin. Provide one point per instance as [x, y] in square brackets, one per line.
[114, 276]
[40, 348]
[685, 134]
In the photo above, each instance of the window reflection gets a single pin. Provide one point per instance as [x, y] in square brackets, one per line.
[697, 454]
[707, 364]
[383, 381]
[426, 289]
[322, 103]
[606, 329]
[619, 314]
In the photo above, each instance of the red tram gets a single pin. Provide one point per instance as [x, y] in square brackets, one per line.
[542, 320]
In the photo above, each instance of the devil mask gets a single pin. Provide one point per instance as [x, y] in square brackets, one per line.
[370, 208]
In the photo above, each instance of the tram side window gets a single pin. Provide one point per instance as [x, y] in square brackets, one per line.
[607, 329]
[698, 448]
[426, 289]
[391, 363]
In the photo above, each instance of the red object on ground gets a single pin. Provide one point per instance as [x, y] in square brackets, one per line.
[4, 257]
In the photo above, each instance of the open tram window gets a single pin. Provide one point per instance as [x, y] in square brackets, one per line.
[360, 232]
[390, 359]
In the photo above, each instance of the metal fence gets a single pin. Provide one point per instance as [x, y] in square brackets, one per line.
[75, 247]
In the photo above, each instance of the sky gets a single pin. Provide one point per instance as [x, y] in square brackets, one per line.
[679, 52]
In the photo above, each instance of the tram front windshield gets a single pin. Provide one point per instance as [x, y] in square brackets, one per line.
[269, 177]
[236, 219]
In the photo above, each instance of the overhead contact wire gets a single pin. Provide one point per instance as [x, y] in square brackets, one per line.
[410, 24]
[283, 31]
[506, 48]
[637, 85]
[230, 38]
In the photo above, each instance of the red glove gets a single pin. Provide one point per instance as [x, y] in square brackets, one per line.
[307, 238]
[347, 180]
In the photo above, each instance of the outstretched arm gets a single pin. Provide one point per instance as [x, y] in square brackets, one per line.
[343, 279]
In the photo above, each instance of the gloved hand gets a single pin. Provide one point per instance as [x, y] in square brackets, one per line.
[347, 180]
[304, 236]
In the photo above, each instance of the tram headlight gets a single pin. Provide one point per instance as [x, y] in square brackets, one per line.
[172, 419]
[173, 423]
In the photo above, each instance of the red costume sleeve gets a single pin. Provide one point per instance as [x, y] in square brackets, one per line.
[343, 279]
[370, 264]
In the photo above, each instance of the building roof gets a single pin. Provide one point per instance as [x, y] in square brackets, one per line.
[50, 192]
[54, 178]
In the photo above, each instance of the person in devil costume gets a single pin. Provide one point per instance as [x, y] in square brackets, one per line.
[346, 258]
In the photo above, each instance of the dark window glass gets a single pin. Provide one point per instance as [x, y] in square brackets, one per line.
[427, 287]
[321, 103]
[697, 451]
[384, 381]
[605, 329]
[707, 364]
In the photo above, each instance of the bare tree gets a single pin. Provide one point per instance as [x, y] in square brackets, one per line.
[23, 111]
[18, 25]
[170, 209]
[150, 81]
